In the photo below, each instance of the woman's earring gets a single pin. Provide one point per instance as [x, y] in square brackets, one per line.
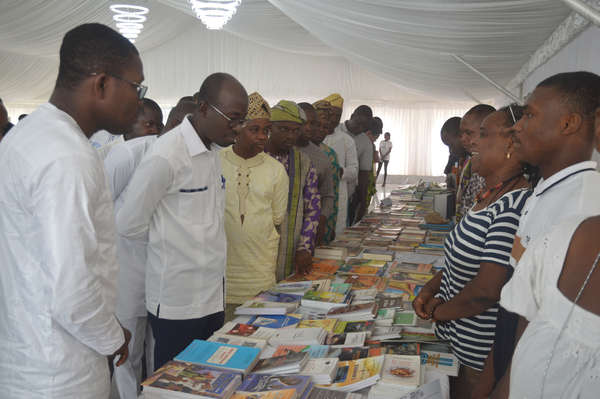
[508, 155]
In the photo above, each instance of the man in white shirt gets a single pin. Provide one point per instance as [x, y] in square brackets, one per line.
[556, 134]
[119, 165]
[58, 255]
[176, 197]
[385, 148]
[345, 149]
[149, 121]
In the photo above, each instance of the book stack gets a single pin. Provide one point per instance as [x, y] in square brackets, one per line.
[256, 385]
[331, 252]
[188, 380]
[325, 300]
[321, 370]
[268, 303]
[299, 336]
[218, 355]
[354, 375]
[290, 363]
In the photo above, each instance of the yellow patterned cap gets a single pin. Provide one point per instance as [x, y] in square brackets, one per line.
[258, 107]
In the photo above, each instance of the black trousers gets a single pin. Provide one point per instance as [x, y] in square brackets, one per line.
[173, 336]
[385, 165]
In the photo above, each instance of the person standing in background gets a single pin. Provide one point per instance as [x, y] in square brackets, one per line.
[385, 148]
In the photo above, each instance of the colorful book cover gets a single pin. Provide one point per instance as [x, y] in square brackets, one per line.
[363, 307]
[324, 296]
[402, 370]
[363, 270]
[267, 382]
[365, 262]
[325, 324]
[363, 282]
[403, 348]
[219, 355]
[193, 378]
[281, 394]
[405, 318]
[353, 326]
[239, 341]
[410, 290]
[359, 353]
[314, 351]
[415, 278]
[353, 371]
[340, 288]
[275, 321]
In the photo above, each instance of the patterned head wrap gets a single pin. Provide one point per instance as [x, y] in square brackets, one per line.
[335, 100]
[287, 111]
[258, 107]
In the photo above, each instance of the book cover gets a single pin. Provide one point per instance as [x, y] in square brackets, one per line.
[194, 379]
[325, 324]
[405, 348]
[249, 331]
[290, 359]
[268, 382]
[362, 308]
[365, 262]
[402, 370]
[281, 394]
[298, 336]
[340, 288]
[409, 290]
[359, 282]
[415, 278]
[239, 341]
[378, 254]
[275, 321]
[219, 355]
[347, 339]
[324, 296]
[325, 266]
[405, 318]
[359, 353]
[320, 366]
[322, 393]
[268, 296]
[354, 371]
[353, 326]
[314, 351]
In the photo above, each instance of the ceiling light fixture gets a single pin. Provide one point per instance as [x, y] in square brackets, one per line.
[129, 19]
[215, 13]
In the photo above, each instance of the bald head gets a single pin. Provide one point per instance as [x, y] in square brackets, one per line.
[218, 85]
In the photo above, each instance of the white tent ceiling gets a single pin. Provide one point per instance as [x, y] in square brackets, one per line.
[388, 50]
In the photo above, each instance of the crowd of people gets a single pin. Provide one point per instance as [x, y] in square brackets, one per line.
[515, 298]
[127, 239]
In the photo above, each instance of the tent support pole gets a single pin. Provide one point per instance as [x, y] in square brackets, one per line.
[484, 76]
[585, 10]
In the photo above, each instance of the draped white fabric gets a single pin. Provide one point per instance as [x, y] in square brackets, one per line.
[392, 54]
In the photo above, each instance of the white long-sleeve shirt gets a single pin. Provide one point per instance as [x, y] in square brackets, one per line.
[177, 197]
[58, 262]
[120, 164]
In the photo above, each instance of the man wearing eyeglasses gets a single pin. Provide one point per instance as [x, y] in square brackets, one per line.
[176, 202]
[57, 233]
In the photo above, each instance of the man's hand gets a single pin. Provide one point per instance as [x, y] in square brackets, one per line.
[425, 295]
[341, 172]
[123, 351]
[303, 262]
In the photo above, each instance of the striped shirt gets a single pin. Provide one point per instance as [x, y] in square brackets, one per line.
[481, 236]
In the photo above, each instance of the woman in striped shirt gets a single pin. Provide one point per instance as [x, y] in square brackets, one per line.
[462, 298]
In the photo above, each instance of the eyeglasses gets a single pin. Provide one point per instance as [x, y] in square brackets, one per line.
[140, 88]
[232, 122]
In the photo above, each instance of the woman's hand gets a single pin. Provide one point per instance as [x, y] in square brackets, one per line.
[431, 305]
[420, 302]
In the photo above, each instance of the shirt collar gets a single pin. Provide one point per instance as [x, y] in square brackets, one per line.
[561, 175]
[193, 142]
